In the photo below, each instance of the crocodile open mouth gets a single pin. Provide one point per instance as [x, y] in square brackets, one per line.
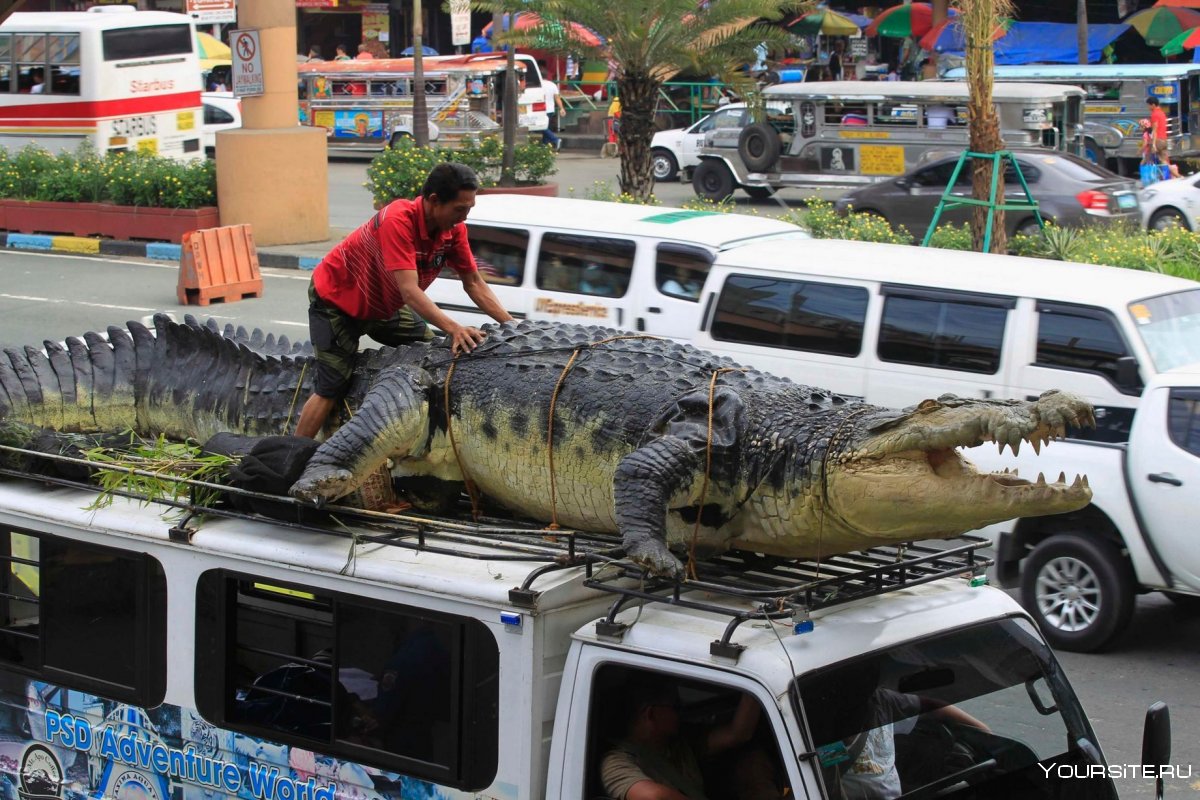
[910, 478]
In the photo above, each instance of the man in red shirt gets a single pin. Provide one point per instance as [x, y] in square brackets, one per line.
[374, 281]
[1158, 130]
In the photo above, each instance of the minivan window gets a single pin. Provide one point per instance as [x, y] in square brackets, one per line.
[499, 253]
[585, 264]
[1079, 341]
[680, 271]
[799, 315]
[942, 333]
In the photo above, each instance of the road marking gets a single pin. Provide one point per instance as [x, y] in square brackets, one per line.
[60, 301]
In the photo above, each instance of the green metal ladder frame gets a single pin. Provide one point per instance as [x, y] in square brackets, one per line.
[991, 204]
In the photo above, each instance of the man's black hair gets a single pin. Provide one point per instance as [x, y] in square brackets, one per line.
[1151, 101]
[649, 689]
[447, 179]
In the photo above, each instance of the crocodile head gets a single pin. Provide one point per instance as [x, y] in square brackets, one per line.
[900, 475]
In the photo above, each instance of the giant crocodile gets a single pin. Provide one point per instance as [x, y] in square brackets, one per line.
[650, 437]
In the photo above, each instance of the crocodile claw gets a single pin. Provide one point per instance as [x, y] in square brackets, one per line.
[653, 555]
[323, 483]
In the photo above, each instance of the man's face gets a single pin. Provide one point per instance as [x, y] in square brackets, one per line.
[447, 215]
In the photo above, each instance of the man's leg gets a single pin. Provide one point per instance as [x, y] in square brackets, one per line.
[335, 345]
[313, 415]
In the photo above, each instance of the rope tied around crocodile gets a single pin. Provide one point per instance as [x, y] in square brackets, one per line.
[712, 391]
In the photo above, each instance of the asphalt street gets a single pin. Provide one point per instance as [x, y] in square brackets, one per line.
[49, 296]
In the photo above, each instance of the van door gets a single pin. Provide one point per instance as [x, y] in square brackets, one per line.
[667, 301]
[501, 254]
[1077, 350]
[532, 101]
[932, 342]
[584, 279]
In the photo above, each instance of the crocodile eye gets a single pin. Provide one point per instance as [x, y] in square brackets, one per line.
[929, 405]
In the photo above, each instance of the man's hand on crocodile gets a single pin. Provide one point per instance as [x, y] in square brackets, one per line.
[465, 338]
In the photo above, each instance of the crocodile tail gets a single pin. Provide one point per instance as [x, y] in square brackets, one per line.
[183, 380]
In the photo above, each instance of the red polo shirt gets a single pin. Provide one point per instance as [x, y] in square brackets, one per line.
[1158, 123]
[356, 275]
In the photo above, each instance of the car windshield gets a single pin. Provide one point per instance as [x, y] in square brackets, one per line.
[980, 712]
[1170, 328]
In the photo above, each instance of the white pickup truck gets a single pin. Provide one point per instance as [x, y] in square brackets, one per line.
[1080, 573]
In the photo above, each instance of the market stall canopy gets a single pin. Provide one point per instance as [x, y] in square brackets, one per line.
[551, 33]
[1160, 24]
[1178, 3]
[914, 19]
[824, 21]
[1050, 42]
[1187, 40]
[212, 51]
[947, 36]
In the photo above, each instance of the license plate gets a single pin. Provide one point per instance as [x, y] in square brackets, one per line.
[1126, 201]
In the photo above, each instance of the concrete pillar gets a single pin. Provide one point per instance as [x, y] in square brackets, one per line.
[272, 173]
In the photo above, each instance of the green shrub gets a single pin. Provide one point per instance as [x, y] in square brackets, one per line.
[401, 171]
[604, 192]
[824, 222]
[124, 178]
[952, 237]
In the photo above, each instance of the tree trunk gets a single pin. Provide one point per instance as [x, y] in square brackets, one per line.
[1082, 27]
[980, 18]
[420, 109]
[639, 99]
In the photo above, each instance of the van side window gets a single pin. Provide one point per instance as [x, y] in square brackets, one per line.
[90, 617]
[1183, 419]
[694, 722]
[391, 686]
[585, 264]
[946, 334]
[1086, 340]
[799, 315]
[499, 253]
[680, 271]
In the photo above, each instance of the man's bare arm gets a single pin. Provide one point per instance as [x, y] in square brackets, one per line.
[483, 297]
[462, 337]
[738, 730]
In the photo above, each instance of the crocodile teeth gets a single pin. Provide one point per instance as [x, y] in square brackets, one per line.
[1016, 446]
[1077, 483]
[1037, 445]
[1085, 482]
[1041, 481]
[1062, 477]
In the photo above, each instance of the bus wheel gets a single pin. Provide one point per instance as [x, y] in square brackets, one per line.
[713, 181]
[1093, 152]
[759, 146]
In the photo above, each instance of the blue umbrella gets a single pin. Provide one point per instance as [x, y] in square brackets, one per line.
[426, 50]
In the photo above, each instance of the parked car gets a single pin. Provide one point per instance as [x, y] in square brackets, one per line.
[677, 150]
[222, 111]
[1069, 190]
[1175, 202]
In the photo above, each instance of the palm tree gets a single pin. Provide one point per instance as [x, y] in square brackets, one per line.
[979, 19]
[649, 42]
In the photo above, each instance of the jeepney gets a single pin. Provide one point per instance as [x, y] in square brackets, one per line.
[368, 104]
[1116, 100]
[848, 133]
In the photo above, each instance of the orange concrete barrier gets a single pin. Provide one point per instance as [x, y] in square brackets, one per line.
[218, 265]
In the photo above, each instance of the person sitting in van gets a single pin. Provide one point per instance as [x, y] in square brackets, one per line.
[595, 281]
[657, 757]
[681, 283]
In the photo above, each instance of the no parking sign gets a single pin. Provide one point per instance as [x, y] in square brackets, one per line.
[247, 63]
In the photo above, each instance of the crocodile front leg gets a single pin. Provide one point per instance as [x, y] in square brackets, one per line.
[393, 421]
[644, 483]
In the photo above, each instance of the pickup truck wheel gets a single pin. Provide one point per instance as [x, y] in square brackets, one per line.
[759, 146]
[663, 165]
[713, 181]
[1080, 591]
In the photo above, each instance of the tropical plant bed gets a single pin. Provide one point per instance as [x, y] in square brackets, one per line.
[106, 220]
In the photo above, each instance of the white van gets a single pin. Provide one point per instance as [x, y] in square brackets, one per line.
[629, 266]
[897, 324]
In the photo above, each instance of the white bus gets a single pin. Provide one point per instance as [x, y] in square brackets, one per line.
[116, 77]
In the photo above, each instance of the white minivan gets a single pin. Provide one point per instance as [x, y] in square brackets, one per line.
[635, 267]
[896, 324]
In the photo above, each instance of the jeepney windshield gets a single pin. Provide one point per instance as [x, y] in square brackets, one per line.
[1169, 326]
[983, 711]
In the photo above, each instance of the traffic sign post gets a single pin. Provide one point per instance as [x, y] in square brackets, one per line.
[211, 12]
[247, 63]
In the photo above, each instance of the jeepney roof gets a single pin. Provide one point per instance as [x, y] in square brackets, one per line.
[956, 91]
[1090, 72]
[432, 65]
[774, 654]
[583, 217]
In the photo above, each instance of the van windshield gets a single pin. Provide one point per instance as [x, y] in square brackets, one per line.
[983, 711]
[1170, 328]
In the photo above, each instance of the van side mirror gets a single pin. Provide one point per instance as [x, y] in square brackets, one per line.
[1156, 736]
[1128, 376]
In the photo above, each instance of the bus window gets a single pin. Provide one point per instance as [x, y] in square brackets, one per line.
[388, 685]
[146, 41]
[93, 617]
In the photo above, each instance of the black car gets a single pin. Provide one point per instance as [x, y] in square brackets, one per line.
[1069, 191]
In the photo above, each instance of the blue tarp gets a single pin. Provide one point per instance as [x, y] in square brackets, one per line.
[1045, 42]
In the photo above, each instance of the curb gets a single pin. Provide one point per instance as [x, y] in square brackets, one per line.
[160, 251]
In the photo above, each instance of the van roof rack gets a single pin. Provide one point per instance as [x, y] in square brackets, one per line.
[738, 585]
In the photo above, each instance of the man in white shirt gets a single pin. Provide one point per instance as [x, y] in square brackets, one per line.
[554, 107]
